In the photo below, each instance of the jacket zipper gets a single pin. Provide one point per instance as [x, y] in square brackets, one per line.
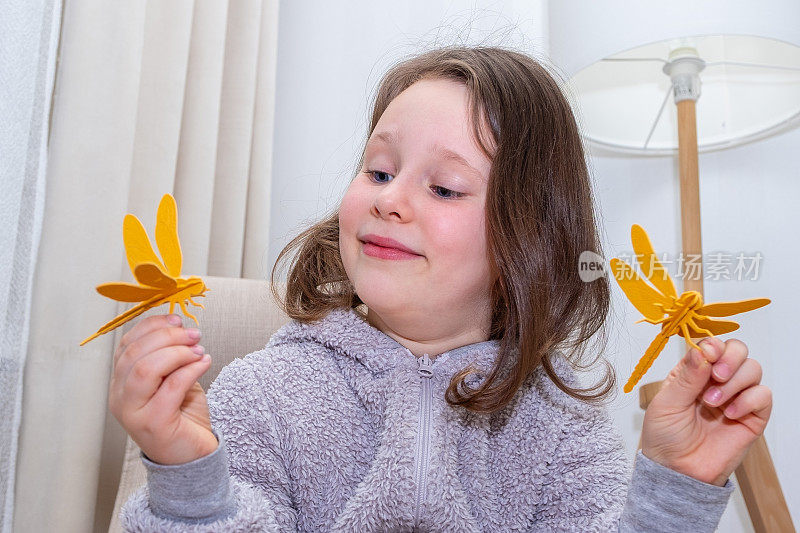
[425, 372]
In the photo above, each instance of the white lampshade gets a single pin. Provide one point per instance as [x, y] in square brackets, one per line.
[614, 53]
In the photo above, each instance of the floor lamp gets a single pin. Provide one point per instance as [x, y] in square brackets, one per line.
[744, 58]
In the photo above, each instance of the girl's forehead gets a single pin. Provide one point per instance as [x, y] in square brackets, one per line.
[436, 115]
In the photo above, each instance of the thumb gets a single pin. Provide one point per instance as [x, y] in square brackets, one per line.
[690, 376]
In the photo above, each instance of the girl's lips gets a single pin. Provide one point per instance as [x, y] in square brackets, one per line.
[386, 253]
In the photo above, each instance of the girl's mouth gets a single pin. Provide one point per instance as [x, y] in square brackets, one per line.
[382, 252]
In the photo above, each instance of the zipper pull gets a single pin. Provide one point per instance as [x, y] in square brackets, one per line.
[425, 366]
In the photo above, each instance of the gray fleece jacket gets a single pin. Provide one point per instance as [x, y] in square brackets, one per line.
[335, 426]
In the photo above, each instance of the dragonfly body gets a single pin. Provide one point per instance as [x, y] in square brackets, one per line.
[684, 315]
[682, 310]
[158, 282]
[680, 314]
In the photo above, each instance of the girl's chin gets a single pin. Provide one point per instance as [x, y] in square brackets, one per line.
[380, 303]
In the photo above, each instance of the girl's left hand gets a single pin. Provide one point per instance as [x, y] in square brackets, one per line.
[707, 439]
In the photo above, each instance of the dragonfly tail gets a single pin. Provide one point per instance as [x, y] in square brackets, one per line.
[646, 361]
[131, 313]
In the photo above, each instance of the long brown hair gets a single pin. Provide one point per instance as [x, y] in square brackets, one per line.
[539, 218]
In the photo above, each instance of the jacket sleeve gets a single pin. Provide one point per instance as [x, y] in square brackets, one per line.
[661, 499]
[590, 486]
[241, 486]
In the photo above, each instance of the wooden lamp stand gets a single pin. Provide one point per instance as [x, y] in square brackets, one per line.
[756, 475]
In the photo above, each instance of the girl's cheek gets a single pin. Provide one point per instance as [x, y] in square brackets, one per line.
[457, 232]
[348, 211]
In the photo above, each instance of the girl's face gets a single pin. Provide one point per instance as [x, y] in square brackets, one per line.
[423, 184]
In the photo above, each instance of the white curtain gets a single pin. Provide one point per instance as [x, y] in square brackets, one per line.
[28, 43]
[150, 97]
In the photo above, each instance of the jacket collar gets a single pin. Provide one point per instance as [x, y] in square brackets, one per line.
[344, 330]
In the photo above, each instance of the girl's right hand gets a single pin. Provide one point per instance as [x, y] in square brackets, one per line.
[154, 393]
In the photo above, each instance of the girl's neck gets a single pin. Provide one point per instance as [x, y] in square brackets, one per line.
[406, 332]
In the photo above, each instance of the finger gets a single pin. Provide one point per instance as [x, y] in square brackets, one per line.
[686, 380]
[712, 349]
[172, 393]
[747, 375]
[143, 327]
[734, 354]
[150, 372]
[756, 401]
[150, 342]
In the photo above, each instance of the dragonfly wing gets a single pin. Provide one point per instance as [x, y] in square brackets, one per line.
[732, 308]
[137, 245]
[127, 292]
[152, 276]
[716, 327]
[649, 262]
[641, 295]
[167, 235]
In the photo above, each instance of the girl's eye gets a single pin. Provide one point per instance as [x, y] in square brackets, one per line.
[372, 173]
[446, 194]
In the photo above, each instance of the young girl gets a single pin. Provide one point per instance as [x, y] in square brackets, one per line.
[426, 380]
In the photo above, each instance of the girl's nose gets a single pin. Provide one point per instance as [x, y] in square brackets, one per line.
[393, 198]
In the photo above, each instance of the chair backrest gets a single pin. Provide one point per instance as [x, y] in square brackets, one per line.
[240, 316]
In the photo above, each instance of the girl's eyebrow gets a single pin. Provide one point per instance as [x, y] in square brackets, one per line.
[391, 137]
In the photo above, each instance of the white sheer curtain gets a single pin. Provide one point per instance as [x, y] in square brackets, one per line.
[28, 45]
[150, 97]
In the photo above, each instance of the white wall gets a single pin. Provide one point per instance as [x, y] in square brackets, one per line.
[323, 90]
[747, 193]
[749, 201]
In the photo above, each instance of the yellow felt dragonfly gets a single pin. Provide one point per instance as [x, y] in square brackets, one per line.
[159, 282]
[684, 315]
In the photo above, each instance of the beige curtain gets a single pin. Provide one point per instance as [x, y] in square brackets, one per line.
[150, 97]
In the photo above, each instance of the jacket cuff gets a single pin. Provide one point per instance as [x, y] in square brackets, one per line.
[662, 499]
[195, 491]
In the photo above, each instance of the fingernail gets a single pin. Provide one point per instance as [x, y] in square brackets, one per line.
[707, 348]
[722, 371]
[199, 350]
[193, 333]
[712, 395]
[173, 319]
